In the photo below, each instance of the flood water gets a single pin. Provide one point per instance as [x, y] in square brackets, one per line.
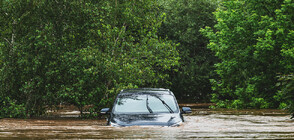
[202, 124]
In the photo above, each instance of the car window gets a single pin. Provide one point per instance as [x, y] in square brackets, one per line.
[137, 103]
[157, 106]
[131, 104]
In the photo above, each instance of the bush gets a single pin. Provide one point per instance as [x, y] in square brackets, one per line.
[9, 109]
[286, 95]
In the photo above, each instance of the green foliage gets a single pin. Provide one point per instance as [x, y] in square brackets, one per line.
[80, 52]
[286, 95]
[251, 39]
[10, 109]
[184, 19]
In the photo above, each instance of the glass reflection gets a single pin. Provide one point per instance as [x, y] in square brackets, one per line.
[139, 104]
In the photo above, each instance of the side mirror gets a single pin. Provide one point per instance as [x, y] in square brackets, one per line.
[104, 111]
[186, 110]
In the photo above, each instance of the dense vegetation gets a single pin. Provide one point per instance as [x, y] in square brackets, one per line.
[183, 21]
[254, 41]
[79, 53]
[238, 53]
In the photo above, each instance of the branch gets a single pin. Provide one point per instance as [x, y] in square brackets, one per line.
[8, 41]
[119, 35]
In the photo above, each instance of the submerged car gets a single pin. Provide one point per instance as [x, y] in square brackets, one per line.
[145, 106]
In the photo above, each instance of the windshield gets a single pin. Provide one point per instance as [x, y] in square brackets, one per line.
[145, 103]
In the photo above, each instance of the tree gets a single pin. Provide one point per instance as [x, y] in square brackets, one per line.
[184, 19]
[249, 39]
[79, 52]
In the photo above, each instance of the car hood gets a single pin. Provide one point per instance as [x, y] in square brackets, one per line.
[145, 119]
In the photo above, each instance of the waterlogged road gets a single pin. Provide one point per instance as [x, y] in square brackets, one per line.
[216, 125]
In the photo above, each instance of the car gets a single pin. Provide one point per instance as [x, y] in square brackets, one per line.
[144, 107]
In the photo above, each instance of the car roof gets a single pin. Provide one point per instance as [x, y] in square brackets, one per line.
[146, 91]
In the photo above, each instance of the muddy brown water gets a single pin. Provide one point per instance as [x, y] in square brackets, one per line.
[203, 123]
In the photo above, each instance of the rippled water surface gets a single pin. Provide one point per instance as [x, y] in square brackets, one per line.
[225, 124]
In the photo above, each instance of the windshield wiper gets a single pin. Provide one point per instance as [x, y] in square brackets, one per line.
[166, 105]
[147, 105]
